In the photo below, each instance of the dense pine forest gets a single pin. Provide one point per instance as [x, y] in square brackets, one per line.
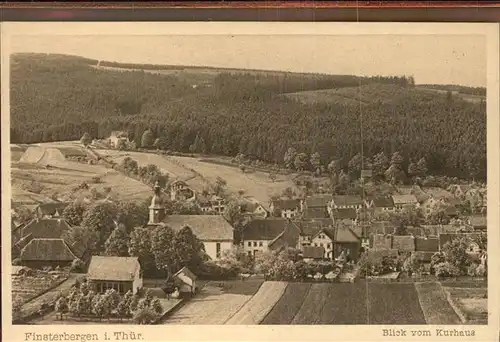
[217, 111]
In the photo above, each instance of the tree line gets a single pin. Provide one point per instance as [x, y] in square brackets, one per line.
[258, 120]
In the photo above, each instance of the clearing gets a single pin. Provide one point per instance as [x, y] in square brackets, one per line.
[44, 172]
[215, 304]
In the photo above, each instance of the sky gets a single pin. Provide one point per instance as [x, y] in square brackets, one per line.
[431, 59]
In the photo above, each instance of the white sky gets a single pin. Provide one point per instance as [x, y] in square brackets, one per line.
[443, 59]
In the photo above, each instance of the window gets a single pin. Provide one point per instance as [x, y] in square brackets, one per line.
[217, 249]
[261, 244]
[255, 243]
[120, 288]
[249, 243]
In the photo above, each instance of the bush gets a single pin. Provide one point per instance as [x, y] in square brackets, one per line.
[446, 269]
[77, 266]
[16, 262]
[145, 315]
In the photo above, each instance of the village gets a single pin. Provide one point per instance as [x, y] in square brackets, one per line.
[80, 262]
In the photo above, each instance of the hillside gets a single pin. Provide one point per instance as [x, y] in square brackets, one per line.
[56, 98]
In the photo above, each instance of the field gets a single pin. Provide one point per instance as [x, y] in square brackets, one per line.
[215, 305]
[255, 184]
[470, 300]
[26, 288]
[43, 172]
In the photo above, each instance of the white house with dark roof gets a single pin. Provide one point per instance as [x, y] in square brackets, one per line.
[402, 201]
[214, 231]
[180, 191]
[345, 202]
[119, 273]
[258, 235]
[287, 208]
[185, 280]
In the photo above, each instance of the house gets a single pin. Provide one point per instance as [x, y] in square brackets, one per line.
[345, 215]
[50, 210]
[308, 228]
[180, 191]
[345, 202]
[214, 231]
[258, 234]
[122, 274]
[478, 222]
[286, 208]
[402, 201]
[316, 201]
[185, 280]
[253, 209]
[426, 244]
[213, 203]
[337, 239]
[116, 137]
[289, 238]
[310, 253]
[47, 252]
[380, 204]
[315, 213]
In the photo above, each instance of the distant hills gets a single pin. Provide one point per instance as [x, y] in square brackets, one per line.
[255, 112]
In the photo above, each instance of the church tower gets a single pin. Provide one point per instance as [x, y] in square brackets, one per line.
[157, 207]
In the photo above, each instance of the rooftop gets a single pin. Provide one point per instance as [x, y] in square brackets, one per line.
[113, 268]
[347, 200]
[205, 227]
[47, 250]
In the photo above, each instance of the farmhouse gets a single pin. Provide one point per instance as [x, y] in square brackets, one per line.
[347, 201]
[315, 213]
[48, 252]
[346, 216]
[50, 210]
[180, 191]
[336, 240]
[44, 228]
[402, 201]
[185, 280]
[213, 230]
[308, 228]
[289, 238]
[213, 203]
[119, 273]
[380, 204]
[286, 208]
[116, 137]
[258, 234]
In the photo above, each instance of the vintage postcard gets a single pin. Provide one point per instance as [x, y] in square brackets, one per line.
[303, 181]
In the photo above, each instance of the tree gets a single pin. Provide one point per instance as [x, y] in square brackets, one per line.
[145, 315]
[455, 253]
[77, 266]
[86, 139]
[189, 250]
[132, 214]
[289, 159]
[300, 161]
[394, 174]
[438, 216]
[220, 186]
[355, 166]
[422, 167]
[61, 307]
[380, 164]
[157, 143]
[82, 235]
[121, 145]
[316, 162]
[99, 218]
[288, 192]
[334, 167]
[147, 139]
[140, 246]
[156, 306]
[73, 213]
[118, 242]
[232, 214]
[397, 159]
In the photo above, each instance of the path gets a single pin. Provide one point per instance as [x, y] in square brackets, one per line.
[434, 304]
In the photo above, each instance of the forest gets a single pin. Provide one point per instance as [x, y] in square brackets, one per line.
[57, 98]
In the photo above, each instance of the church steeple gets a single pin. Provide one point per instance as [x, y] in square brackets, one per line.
[157, 207]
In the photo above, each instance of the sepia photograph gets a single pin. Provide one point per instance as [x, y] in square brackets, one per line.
[248, 179]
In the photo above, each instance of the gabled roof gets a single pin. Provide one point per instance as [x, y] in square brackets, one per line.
[311, 227]
[383, 202]
[347, 200]
[286, 203]
[46, 228]
[315, 212]
[288, 238]
[430, 244]
[205, 227]
[47, 250]
[311, 252]
[113, 268]
[404, 199]
[187, 272]
[345, 234]
[264, 229]
[51, 208]
[317, 201]
[344, 213]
